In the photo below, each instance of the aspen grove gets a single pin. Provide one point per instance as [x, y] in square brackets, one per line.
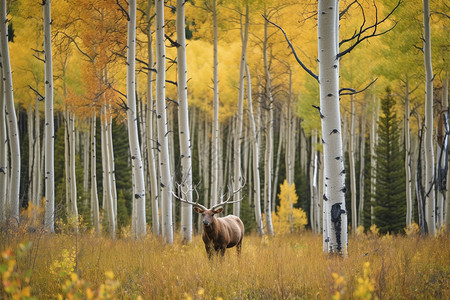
[110, 110]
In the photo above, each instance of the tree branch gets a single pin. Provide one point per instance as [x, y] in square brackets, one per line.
[353, 91]
[123, 10]
[37, 93]
[362, 30]
[293, 51]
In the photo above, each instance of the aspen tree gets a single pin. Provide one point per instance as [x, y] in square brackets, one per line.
[215, 124]
[430, 199]
[49, 126]
[254, 136]
[3, 155]
[150, 131]
[95, 211]
[11, 117]
[132, 119]
[334, 193]
[163, 140]
[352, 164]
[183, 123]
[269, 140]
[237, 155]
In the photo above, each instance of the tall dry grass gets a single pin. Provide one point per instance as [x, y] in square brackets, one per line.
[280, 267]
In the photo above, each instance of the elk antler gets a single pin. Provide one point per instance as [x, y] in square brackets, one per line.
[222, 203]
[187, 201]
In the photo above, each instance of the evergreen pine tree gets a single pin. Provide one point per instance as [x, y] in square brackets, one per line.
[390, 203]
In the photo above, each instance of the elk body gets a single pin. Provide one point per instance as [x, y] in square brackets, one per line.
[220, 233]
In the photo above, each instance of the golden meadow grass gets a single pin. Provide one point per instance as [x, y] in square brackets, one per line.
[280, 267]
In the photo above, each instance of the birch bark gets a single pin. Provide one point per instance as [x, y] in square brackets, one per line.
[3, 155]
[132, 119]
[430, 199]
[336, 213]
[11, 117]
[183, 123]
[255, 157]
[409, 205]
[352, 164]
[239, 115]
[163, 140]
[94, 197]
[154, 190]
[269, 140]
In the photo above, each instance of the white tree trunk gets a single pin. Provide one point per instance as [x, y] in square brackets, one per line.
[362, 168]
[183, 123]
[150, 132]
[237, 178]
[430, 204]
[132, 119]
[409, 204]
[255, 156]
[72, 168]
[215, 122]
[12, 119]
[3, 156]
[352, 164]
[334, 177]
[95, 212]
[37, 174]
[269, 140]
[163, 139]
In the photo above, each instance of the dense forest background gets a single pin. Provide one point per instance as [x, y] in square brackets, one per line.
[385, 72]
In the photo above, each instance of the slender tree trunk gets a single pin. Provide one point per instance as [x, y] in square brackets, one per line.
[215, 124]
[255, 156]
[446, 206]
[430, 204]
[161, 115]
[237, 178]
[328, 26]
[362, 167]
[12, 118]
[3, 156]
[95, 212]
[269, 140]
[132, 119]
[352, 165]
[72, 168]
[150, 132]
[109, 198]
[409, 205]
[183, 121]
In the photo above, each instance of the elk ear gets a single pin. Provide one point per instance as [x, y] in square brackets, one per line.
[217, 211]
[198, 209]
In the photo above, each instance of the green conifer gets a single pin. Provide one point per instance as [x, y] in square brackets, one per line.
[390, 200]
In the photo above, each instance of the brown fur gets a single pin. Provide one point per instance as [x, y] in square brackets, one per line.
[220, 233]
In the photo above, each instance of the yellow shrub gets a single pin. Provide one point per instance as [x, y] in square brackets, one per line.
[288, 219]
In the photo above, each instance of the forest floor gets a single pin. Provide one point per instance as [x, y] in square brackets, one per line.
[85, 266]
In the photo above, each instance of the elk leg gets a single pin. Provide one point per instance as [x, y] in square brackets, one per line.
[209, 250]
[238, 248]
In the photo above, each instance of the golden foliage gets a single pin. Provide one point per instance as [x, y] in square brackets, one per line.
[288, 219]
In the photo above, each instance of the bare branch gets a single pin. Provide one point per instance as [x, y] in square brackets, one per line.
[293, 51]
[359, 36]
[37, 93]
[353, 91]
[123, 10]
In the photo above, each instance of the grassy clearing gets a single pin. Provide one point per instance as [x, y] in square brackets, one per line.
[280, 267]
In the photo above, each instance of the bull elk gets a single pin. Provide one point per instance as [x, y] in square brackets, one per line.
[219, 233]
